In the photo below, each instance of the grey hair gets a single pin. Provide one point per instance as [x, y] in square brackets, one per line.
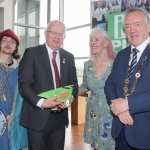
[103, 33]
[56, 22]
[133, 9]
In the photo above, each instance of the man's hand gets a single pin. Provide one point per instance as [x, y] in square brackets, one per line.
[64, 105]
[126, 118]
[50, 102]
[119, 105]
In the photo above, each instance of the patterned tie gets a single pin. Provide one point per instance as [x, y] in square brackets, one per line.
[133, 62]
[57, 78]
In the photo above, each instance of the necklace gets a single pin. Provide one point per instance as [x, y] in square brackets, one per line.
[10, 64]
[137, 75]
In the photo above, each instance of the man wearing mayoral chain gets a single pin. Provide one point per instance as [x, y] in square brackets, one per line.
[128, 86]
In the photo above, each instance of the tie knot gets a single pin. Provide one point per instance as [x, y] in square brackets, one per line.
[134, 50]
[54, 54]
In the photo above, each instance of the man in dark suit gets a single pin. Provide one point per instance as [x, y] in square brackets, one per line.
[128, 86]
[45, 122]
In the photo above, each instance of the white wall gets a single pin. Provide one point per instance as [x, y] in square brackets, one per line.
[6, 14]
[1, 19]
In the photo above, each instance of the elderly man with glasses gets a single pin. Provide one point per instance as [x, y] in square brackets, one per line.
[42, 68]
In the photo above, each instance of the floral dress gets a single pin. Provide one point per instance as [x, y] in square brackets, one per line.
[98, 121]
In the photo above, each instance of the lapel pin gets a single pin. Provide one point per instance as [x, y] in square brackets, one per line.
[64, 60]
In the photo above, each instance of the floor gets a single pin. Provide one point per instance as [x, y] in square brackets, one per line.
[74, 138]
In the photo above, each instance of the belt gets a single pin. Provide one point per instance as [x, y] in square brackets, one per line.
[55, 112]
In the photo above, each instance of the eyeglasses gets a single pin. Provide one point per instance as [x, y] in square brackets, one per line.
[56, 33]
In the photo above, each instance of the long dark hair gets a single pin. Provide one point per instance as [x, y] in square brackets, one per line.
[16, 54]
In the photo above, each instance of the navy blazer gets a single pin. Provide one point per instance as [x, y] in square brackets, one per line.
[35, 76]
[138, 134]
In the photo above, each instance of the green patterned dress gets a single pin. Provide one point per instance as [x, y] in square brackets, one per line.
[98, 121]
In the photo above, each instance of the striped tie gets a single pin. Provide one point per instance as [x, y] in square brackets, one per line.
[133, 62]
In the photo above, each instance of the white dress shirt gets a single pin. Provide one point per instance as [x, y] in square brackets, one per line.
[140, 48]
[52, 68]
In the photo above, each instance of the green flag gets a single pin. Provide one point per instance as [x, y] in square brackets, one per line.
[63, 93]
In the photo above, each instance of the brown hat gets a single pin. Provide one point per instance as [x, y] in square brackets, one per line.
[11, 34]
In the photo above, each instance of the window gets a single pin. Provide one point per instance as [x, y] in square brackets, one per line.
[54, 10]
[77, 42]
[31, 12]
[32, 16]
[76, 12]
[29, 37]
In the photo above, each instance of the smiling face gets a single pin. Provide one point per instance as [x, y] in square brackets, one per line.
[107, 4]
[99, 4]
[114, 2]
[137, 28]
[7, 45]
[97, 44]
[54, 41]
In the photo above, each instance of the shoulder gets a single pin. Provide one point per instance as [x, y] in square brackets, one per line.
[38, 47]
[124, 51]
[66, 53]
[34, 51]
[88, 63]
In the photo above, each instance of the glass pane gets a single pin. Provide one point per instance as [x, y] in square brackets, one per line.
[77, 42]
[31, 12]
[79, 68]
[76, 12]
[54, 9]
[29, 37]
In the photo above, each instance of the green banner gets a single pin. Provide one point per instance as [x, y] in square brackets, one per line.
[116, 31]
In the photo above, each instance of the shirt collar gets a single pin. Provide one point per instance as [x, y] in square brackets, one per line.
[14, 65]
[142, 47]
[50, 50]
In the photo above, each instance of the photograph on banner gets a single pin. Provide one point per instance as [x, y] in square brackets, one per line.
[101, 9]
[109, 14]
[147, 5]
[102, 25]
[125, 4]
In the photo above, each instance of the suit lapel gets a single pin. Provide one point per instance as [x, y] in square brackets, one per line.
[62, 64]
[139, 62]
[132, 79]
[45, 59]
[126, 62]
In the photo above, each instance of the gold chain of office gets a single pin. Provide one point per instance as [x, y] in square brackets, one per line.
[137, 75]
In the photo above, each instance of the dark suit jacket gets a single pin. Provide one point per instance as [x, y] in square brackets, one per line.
[138, 134]
[35, 76]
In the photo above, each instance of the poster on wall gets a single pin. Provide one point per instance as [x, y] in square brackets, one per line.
[109, 14]
[100, 9]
